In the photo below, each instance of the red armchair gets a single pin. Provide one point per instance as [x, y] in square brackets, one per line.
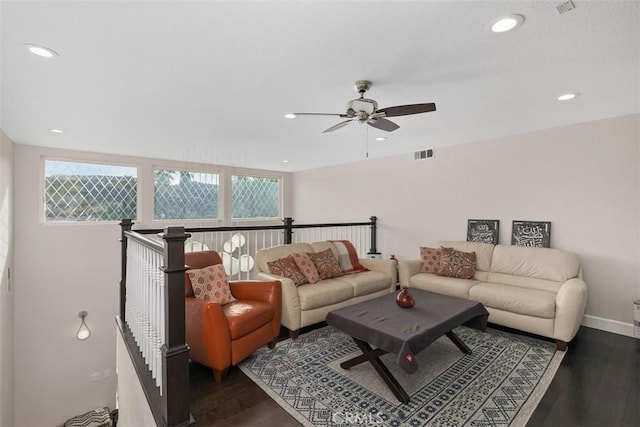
[220, 336]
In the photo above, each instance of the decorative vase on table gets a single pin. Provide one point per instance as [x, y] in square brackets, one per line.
[404, 299]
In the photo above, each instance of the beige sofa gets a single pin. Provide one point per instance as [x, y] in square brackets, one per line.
[537, 290]
[308, 304]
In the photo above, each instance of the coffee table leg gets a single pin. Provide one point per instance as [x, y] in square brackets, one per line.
[372, 356]
[458, 342]
[362, 358]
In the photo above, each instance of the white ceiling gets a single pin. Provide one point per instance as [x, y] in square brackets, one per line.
[210, 81]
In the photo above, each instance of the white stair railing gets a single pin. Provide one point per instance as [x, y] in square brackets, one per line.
[144, 307]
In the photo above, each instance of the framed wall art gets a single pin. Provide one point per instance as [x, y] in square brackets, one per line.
[531, 233]
[483, 230]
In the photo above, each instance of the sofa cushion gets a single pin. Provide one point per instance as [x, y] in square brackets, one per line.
[244, 317]
[324, 293]
[541, 263]
[524, 282]
[484, 252]
[263, 256]
[210, 284]
[287, 267]
[430, 259]
[458, 264]
[326, 264]
[367, 282]
[531, 302]
[307, 267]
[442, 285]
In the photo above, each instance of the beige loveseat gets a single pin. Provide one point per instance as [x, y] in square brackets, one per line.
[308, 304]
[537, 290]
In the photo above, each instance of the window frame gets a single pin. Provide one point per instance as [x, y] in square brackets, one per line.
[278, 177]
[43, 198]
[221, 185]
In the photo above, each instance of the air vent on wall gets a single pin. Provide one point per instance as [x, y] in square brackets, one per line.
[423, 154]
[565, 7]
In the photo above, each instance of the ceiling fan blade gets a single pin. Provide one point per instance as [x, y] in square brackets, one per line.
[383, 124]
[338, 126]
[320, 114]
[405, 110]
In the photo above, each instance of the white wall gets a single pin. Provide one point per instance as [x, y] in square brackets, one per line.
[582, 178]
[6, 293]
[59, 271]
[133, 408]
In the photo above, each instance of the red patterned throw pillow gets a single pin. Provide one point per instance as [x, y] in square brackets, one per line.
[210, 284]
[307, 267]
[326, 264]
[430, 260]
[461, 265]
[287, 267]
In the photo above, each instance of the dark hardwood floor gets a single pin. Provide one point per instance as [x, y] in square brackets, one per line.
[596, 385]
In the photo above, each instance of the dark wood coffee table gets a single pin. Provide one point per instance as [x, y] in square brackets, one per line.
[404, 331]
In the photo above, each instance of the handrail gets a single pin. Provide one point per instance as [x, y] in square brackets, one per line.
[287, 227]
[252, 227]
[171, 367]
[140, 238]
[168, 403]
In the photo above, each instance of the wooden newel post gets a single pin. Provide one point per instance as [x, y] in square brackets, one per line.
[373, 252]
[125, 226]
[288, 230]
[175, 352]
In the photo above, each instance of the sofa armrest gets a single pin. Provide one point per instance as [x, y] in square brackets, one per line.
[207, 333]
[406, 269]
[386, 266]
[291, 317]
[268, 291]
[571, 301]
[257, 290]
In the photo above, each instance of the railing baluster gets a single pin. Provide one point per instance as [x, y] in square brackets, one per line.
[152, 299]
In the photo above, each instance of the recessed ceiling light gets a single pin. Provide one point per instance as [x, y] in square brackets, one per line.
[42, 51]
[56, 130]
[507, 23]
[285, 161]
[567, 96]
[381, 138]
[290, 116]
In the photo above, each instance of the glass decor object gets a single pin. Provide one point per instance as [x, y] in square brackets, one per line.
[404, 299]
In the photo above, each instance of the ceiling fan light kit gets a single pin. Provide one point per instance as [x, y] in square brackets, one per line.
[363, 110]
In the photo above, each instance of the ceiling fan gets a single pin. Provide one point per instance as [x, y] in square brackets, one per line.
[364, 110]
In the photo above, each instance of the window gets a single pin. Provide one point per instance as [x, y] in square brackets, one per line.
[76, 191]
[255, 197]
[182, 194]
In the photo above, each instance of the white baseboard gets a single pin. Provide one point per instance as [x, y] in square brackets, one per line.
[609, 325]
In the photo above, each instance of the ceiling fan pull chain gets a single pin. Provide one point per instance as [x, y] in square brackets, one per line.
[366, 148]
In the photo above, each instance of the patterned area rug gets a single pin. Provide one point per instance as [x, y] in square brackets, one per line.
[499, 384]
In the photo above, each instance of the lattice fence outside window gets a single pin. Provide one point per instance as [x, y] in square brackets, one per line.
[89, 192]
[255, 197]
[180, 194]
